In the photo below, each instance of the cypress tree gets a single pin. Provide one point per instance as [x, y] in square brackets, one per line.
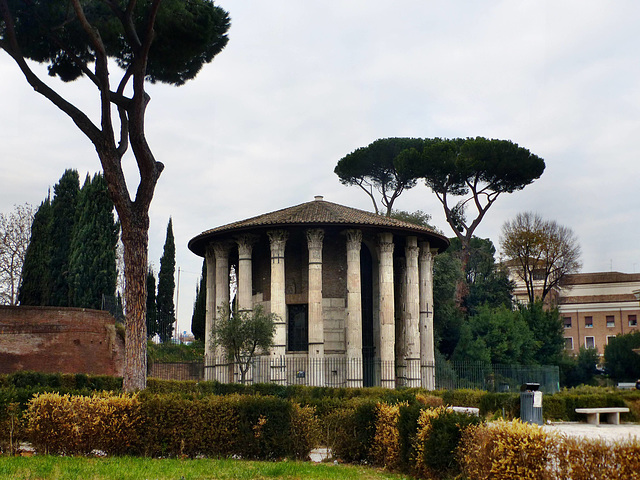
[166, 287]
[35, 288]
[63, 207]
[198, 319]
[152, 314]
[92, 260]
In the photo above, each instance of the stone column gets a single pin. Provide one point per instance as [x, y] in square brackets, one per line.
[387, 313]
[354, 309]
[210, 315]
[412, 314]
[427, 347]
[316, 322]
[400, 295]
[245, 279]
[278, 239]
[221, 251]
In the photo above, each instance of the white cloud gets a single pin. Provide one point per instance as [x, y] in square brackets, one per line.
[301, 84]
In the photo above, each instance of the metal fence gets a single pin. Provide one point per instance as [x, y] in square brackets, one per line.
[495, 378]
[343, 372]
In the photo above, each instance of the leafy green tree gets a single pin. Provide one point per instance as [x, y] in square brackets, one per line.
[581, 369]
[166, 287]
[486, 282]
[242, 334]
[198, 319]
[152, 311]
[63, 221]
[372, 168]
[92, 261]
[447, 317]
[470, 172]
[151, 40]
[418, 217]
[35, 288]
[621, 358]
[548, 331]
[501, 335]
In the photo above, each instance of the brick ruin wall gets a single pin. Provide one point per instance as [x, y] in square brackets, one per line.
[64, 340]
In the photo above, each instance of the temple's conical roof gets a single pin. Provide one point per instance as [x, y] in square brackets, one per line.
[318, 213]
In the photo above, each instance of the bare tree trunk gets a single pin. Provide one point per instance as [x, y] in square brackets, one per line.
[135, 240]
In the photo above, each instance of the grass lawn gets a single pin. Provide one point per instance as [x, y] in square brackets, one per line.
[128, 468]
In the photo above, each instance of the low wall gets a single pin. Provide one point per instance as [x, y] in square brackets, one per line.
[64, 340]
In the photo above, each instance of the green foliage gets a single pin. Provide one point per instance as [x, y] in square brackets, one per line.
[475, 170]
[496, 336]
[166, 287]
[441, 444]
[350, 430]
[63, 207]
[169, 352]
[548, 331]
[581, 369]
[418, 217]
[35, 288]
[487, 284]
[92, 259]
[242, 334]
[71, 259]
[187, 35]
[492, 402]
[448, 318]
[152, 309]
[621, 362]
[198, 319]
[373, 168]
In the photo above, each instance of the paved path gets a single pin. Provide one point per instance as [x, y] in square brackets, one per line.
[603, 431]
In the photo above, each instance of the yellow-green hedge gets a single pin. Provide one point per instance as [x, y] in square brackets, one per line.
[514, 450]
[171, 425]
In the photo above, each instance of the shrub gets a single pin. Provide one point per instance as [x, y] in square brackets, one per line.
[463, 397]
[385, 450]
[305, 431]
[350, 430]
[505, 450]
[439, 433]
[509, 403]
[66, 424]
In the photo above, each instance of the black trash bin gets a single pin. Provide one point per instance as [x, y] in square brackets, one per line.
[531, 403]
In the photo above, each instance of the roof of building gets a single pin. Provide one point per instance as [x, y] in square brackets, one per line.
[611, 298]
[317, 213]
[600, 277]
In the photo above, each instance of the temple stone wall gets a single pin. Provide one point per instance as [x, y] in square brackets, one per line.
[335, 317]
[59, 340]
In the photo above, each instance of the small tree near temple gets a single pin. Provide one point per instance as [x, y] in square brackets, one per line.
[242, 334]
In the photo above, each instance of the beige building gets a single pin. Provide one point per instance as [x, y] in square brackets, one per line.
[593, 306]
[351, 289]
[597, 306]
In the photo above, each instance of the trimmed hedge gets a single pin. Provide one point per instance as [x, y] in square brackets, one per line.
[253, 427]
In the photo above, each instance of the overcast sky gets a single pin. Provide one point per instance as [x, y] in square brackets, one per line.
[303, 83]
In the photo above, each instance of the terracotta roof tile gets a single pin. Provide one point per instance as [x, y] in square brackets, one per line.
[319, 213]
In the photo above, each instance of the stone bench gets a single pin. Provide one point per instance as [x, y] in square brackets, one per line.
[612, 413]
[626, 386]
[467, 410]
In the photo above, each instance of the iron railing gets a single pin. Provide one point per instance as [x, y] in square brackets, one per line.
[367, 372]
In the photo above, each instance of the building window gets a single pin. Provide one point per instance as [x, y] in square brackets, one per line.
[590, 342]
[298, 338]
[609, 337]
[588, 322]
[633, 321]
[568, 343]
[567, 322]
[611, 321]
